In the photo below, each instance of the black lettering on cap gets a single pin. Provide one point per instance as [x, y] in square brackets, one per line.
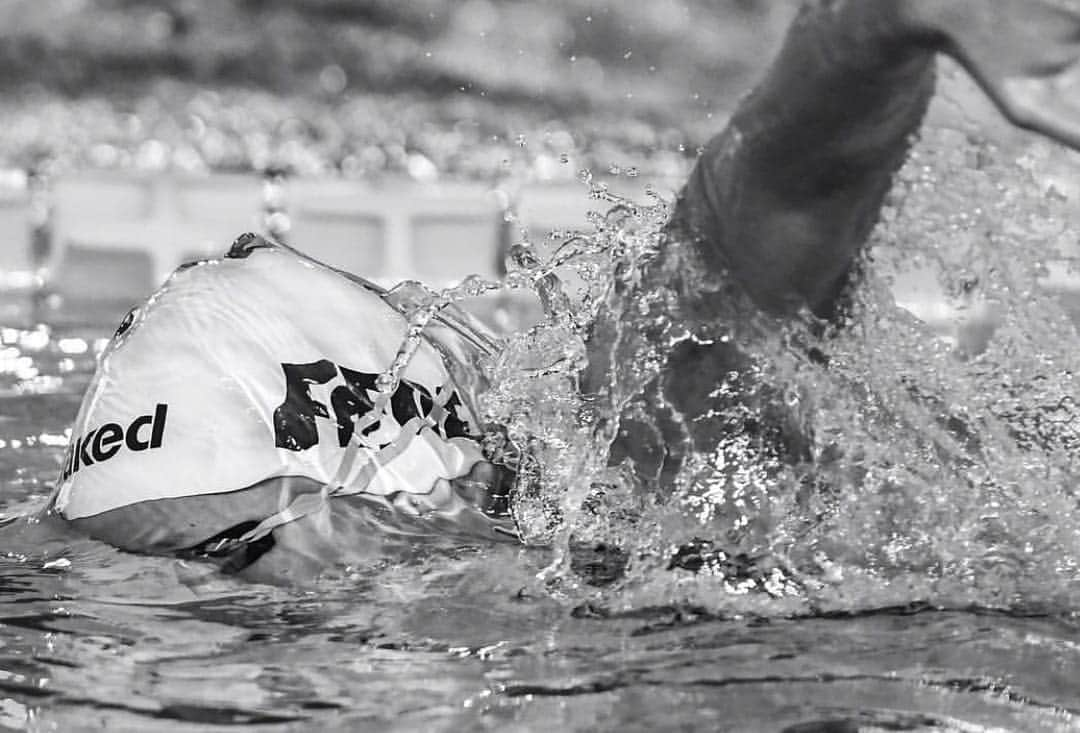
[158, 431]
[69, 457]
[132, 436]
[75, 455]
[103, 443]
[86, 461]
[107, 441]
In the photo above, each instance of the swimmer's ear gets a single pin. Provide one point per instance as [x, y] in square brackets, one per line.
[1025, 54]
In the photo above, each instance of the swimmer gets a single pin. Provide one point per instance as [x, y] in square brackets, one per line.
[238, 441]
[242, 416]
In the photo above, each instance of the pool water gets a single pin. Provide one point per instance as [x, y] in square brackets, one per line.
[933, 587]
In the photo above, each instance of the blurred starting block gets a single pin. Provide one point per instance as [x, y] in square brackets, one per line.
[115, 237]
[435, 233]
[118, 237]
[16, 259]
[109, 237]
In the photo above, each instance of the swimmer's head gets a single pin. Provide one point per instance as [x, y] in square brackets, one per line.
[264, 367]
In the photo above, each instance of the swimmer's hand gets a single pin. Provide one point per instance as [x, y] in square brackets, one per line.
[1023, 53]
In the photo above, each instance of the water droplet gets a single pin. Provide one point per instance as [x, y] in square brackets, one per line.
[333, 79]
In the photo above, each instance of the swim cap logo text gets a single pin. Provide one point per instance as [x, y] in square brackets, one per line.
[99, 445]
[295, 426]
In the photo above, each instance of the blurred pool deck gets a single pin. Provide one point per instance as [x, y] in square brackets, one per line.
[109, 238]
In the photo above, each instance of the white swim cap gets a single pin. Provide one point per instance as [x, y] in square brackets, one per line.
[256, 373]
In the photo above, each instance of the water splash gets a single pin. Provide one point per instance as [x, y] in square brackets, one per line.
[876, 462]
[958, 476]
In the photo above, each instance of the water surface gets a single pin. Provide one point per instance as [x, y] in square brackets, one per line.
[933, 587]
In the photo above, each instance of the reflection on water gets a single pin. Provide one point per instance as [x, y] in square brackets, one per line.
[462, 643]
[926, 579]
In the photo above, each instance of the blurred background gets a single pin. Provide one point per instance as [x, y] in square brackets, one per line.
[395, 139]
[355, 86]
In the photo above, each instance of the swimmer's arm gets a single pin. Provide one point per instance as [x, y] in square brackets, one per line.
[787, 194]
[785, 197]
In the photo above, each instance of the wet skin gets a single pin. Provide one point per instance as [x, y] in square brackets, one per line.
[781, 203]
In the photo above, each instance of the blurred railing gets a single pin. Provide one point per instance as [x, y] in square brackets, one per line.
[116, 236]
